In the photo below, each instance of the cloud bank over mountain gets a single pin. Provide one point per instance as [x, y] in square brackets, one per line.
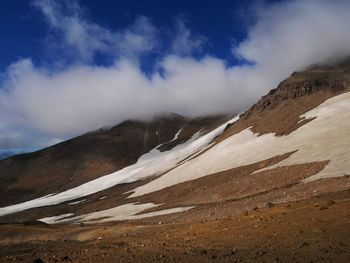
[41, 105]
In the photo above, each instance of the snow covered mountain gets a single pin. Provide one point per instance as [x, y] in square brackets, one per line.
[291, 145]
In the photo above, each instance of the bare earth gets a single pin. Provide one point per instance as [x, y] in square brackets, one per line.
[312, 230]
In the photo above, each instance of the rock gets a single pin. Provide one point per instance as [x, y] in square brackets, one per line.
[245, 212]
[318, 231]
[278, 260]
[65, 258]
[330, 202]
[203, 252]
[260, 253]
[37, 260]
[292, 88]
[304, 244]
[269, 205]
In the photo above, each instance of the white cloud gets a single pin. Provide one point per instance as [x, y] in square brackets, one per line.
[82, 98]
[185, 42]
[84, 39]
[291, 35]
[61, 103]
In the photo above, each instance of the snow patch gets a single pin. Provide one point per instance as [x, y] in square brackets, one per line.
[177, 135]
[77, 202]
[324, 138]
[124, 212]
[55, 219]
[152, 163]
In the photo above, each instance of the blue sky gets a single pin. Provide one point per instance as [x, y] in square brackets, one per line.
[221, 22]
[69, 67]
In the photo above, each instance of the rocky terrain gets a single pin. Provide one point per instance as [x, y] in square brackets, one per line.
[272, 185]
[309, 230]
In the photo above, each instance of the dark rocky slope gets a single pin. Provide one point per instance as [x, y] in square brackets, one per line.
[84, 158]
[278, 111]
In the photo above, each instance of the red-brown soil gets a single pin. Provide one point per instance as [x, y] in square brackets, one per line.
[312, 230]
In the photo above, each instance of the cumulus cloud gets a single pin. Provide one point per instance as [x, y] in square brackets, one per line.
[85, 39]
[59, 103]
[291, 35]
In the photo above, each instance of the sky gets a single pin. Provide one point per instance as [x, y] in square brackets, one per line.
[68, 67]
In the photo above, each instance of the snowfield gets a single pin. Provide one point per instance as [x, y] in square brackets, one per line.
[324, 138]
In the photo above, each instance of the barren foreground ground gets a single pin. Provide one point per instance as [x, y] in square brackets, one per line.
[312, 230]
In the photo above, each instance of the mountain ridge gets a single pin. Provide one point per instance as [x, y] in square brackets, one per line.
[93, 154]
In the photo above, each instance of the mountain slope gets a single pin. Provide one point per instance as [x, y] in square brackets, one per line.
[87, 157]
[272, 185]
[297, 133]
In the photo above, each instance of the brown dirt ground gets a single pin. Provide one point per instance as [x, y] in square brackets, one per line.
[238, 185]
[316, 229]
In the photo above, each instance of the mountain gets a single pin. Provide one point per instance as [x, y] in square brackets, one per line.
[6, 154]
[273, 181]
[92, 155]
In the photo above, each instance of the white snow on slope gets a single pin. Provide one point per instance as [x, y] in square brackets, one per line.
[177, 135]
[152, 163]
[123, 212]
[325, 138]
[54, 219]
[77, 202]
